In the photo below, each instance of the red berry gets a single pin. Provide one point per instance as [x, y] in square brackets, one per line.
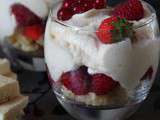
[33, 32]
[131, 10]
[102, 84]
[78, 81]
[104, 30]
[68, 3]
[88, 4]
[115, 29]
[65, 79]
[148, 74]
[83, 6]
[78, 8]
[99, 4]
[64, 14]
[71, 7]
[24, 16]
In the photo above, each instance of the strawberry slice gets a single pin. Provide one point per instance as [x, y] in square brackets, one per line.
[24, 16]
[78, 81]
[33, 32]
[114, 29]
[131, 10]
[102, 84]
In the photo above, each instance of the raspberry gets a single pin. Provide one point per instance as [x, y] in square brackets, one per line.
[64, 14]
[131, 10]
[71, 7]
[68, 3]
[78, 8]
[102, 84]
[87, 4]
[24, 16]
[78, 81]
[99, 4]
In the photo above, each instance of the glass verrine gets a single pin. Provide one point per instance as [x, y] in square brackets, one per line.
[97, 81]
[22, 31]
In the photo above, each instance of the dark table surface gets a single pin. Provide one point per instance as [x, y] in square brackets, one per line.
[44, 106]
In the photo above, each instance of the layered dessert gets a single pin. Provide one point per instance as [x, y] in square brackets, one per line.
[101, 55]
[23, 23]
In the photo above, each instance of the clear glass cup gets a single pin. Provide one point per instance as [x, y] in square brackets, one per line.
[140, 64]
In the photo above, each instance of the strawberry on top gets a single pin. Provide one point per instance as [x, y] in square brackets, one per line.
[114, 29]
[71, 7]
[130, 9]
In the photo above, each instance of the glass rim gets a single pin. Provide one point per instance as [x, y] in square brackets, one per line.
[142, 24]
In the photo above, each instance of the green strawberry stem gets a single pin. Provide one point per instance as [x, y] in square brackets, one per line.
[122, 29]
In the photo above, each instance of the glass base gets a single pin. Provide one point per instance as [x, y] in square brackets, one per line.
[84, 113]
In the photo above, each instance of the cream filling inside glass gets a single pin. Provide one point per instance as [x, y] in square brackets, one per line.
[67, 48]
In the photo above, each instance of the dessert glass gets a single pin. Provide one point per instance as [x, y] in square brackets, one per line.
[22, 37]
[122, 101]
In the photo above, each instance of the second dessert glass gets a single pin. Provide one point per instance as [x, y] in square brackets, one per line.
[24, 44]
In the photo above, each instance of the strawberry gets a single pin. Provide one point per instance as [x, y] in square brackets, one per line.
[131, 10]
[103, 32]
[34, 32]
[77, 81]
[99, 4]
[72, 7]
[65, 79]
[148, 74]
[24, 16]
[102, 84]
[114, 29]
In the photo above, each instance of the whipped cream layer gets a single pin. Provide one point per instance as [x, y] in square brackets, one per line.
[8, 21]
[67, 48]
